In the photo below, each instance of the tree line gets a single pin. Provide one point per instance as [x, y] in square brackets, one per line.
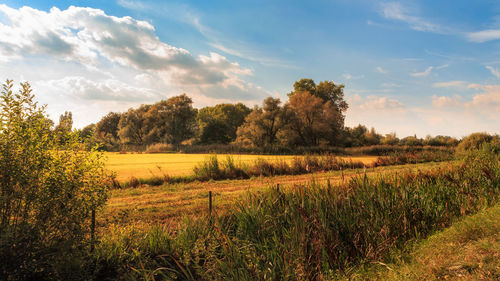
[313, 115]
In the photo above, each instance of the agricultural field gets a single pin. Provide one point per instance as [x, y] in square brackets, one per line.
[141, 165]
[167, 204]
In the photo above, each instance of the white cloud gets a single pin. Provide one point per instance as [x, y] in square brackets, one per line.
[444, 101]
[85, 35]
[425, 73]
[450, 84]
[82, 59]
[484, 35]
[381, 70]
[447, 115]
[396, 11]
[493, 71]
[348, 76]
[373, 102]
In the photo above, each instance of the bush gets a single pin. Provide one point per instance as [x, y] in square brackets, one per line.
[48, 190]
[476, 140]
[159, 148]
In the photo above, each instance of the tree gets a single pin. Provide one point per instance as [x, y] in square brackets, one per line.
[132, 128]
[64, 127]
[390, 139]
[262, 124]
[476, 140]
[173, 121]
[218, 124]
[106, 132]
[47, 190]
[310, 119]
[326, 90]
[332, 97]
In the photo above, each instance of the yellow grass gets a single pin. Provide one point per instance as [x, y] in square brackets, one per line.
[170, 203]
[177, 164]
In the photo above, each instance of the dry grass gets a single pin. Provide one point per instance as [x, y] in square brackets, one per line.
[170, 203]
[177, 164]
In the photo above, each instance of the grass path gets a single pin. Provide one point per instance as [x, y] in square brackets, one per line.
[178, 164]
[467, 250]
[170, 203]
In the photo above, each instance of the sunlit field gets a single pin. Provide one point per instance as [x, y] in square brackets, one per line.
[176, 164]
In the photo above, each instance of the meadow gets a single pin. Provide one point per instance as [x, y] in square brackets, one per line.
[142, 165]
[171, 203]
[319, 227]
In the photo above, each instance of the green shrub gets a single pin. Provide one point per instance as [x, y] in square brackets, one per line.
[476, 140]
[48, 189]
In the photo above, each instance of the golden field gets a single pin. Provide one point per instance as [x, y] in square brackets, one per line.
[170, 203]
[141, 165]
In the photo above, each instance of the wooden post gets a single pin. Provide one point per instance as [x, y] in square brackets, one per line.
[210, 204]
[342, 172]
[92, 231]
[278, 188]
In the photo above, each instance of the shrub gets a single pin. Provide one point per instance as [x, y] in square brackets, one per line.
[47, 192]
[159, 148]
[476, 140]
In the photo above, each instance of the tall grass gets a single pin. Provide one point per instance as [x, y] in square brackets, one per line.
[311, 232]
[212, 168]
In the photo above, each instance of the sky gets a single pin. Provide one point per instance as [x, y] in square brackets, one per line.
[409, 67]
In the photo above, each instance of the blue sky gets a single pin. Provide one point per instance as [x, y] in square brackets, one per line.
[410, 67]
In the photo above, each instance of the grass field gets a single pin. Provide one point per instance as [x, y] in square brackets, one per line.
[177, 164]
[170, 203]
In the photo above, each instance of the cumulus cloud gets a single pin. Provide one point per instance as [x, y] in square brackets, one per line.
[84, 59]
[85, 35]
[444, 101]
[424, 73]
[78, 87]
[373, 102]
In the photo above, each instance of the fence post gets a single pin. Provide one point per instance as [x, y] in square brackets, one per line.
[278, 188]
[92, 231]
[210, 204]
[342, 172]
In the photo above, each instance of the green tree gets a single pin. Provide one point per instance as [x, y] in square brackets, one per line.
[218, 124]
[476, 140]
[106, 132]
[63, 129]
[172, 121]
[262, 125]
[310, 119]
[325, 90]
[390, 139]
[47, 190]
[132, 128]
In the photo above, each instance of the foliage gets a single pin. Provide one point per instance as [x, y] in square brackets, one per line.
[47, 190]
[262, 125]
[325, 90]
[106, 132]
[219, 123]
[133, 127]
[311, 232]
[159, 148]
[476, 140]
[310, 120]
